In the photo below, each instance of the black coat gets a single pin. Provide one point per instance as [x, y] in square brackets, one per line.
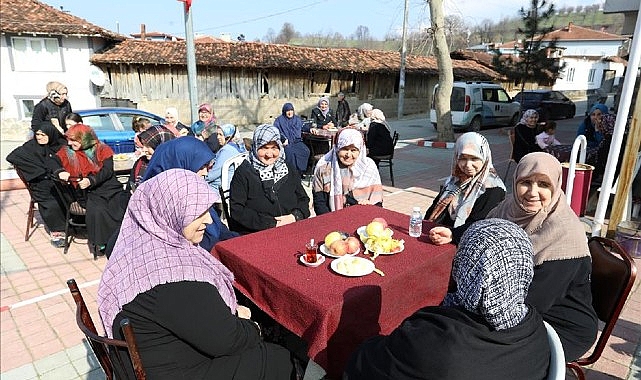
[524, 141]
[320, 120]
[379, 140]
[46, 110]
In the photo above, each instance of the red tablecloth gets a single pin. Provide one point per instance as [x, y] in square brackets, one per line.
[333, 313]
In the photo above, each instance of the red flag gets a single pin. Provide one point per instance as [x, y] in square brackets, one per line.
[187, 4]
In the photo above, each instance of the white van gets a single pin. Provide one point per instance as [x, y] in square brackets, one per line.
[478, 104]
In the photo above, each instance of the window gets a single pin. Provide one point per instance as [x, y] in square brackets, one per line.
[591, 75]
[25, 107]
[503, 96]
[36, 54]
[100, 122]
[570, 76]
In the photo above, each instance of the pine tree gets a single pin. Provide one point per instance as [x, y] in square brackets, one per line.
[532, 63]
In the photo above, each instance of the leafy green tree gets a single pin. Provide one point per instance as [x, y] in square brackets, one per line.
[532, 63]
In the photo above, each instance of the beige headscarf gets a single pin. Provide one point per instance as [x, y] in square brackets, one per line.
[556, 232]
[55, 86]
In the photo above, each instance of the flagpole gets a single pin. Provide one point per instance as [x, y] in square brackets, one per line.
[191, 61]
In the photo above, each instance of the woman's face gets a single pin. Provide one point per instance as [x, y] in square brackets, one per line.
[195, 230]
[347, 155]
[269, 153]
[596, 117]
[534, 192]
[41, 137]
[75, 145]
[289, 114]
[70, 123]
[170, 119]
[204, 115]
[469, 165]
[148, 151]
[205, 169]
[221, 136]
[531, 120]
[323, 105]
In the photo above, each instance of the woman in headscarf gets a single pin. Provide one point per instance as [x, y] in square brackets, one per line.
[561, 289]
[149, 139]
[210, 136]
[90, 161]
[54, 107]
[591, 125]
[191, 154]
[379, 136]
[323, 116]
[525, 133]
[345, 176]
[157, 262]
[290, 127]
[229, 148]
[482, 330]
[36, 160]
[364, 114]
[205, 116]
[265, 191]
[174, 125]
[470, 192]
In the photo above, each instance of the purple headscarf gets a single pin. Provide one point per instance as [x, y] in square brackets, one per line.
[151, 249]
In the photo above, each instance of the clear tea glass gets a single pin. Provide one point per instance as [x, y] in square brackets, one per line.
[310, 252]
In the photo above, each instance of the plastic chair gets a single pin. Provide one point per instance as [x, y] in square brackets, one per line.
[557, 356]
[75, 225]
[118, 358]
[511, 136]
[613, 274]
[225, 179]
[31, 221]
[388, 160]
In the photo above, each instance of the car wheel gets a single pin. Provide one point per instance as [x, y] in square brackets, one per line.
[475, 125]
[571, 113]
[515, 120]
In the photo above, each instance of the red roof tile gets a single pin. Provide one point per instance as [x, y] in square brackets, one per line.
[36, 18]
[573, 32]
[259, 55]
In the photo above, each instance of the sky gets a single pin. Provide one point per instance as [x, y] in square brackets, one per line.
[254, 18]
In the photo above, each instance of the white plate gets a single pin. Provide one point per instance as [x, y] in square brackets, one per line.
[319, 260]
[352, 266]
[121, 157]
[401, 249]
[362, 232]
[325, 251]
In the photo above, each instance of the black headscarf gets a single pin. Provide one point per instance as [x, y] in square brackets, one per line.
[36, 161]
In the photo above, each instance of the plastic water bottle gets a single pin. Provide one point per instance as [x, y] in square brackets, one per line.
[416, 223]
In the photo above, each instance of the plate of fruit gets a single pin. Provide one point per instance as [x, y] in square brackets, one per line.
[377, 238]
[352, 266]
[338, 244]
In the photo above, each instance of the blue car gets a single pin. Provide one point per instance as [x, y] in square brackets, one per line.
[113, 125]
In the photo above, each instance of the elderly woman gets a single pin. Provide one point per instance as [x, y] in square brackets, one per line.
[561, 289]
[265, 191]
[482, 330]
[590, 127]
[191, 154]
[90, 161]
[379, 136]
[36, 160]
[323, 116]
[470, 192]
[364, 113]
[525, 133]
[54, 107]
[228, 149]
[290, 127]
[345, 177]
[205, 116]
[149, 139]
[174, 125]
[155, 263]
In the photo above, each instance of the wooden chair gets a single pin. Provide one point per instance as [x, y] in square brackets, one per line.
[31, 221]
[388, 160]
[225, 180]
[118, 358]
[511, 136]
[75, 225]
[557, 356]
[613, 274]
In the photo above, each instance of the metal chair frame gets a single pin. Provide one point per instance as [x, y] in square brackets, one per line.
[388, 160]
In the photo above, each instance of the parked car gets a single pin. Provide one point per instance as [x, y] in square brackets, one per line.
[478, 104]
[549, 104]
[113, 125]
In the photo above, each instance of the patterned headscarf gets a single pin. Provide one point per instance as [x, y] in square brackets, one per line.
[364, 180]
[493, 269]
[556, 231]
[183, 153]
[323, 99]
[528, 114]
[607, 123]
[151, 249]
[154, 136]
[263, 135]
[461, 191]
[89, 159]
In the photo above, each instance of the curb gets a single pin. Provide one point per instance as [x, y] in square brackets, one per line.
[431, 144]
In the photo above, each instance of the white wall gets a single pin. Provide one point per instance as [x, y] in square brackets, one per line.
[590, 48]
[581, 73]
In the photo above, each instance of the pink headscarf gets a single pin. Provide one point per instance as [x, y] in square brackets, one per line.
[151, 249]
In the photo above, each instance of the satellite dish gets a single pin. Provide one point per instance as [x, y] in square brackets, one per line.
[96, 76]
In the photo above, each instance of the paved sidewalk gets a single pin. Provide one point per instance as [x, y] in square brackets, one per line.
[38, 333]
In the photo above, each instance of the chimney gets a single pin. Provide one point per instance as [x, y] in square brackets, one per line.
[143, 34]
[570, 26]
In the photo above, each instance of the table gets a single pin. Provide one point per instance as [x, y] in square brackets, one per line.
[123, 167]
[332, 313]
[562, 152]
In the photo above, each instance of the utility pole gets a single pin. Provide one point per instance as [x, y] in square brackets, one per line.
[401, 80]
[191, 61]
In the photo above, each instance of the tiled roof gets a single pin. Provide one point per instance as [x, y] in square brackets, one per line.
[36, 18]
[259, 55]
[573, 32]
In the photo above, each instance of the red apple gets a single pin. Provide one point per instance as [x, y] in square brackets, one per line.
[380, 220]
[339, 248]
[353, 244]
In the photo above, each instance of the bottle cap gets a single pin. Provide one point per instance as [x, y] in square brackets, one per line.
[311, 241]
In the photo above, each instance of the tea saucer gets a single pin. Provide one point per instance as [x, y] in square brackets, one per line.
[319, 260]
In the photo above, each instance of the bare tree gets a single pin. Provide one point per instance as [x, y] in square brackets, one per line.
[445, 73]
[287, 33]
[270, 37]
[362, 34]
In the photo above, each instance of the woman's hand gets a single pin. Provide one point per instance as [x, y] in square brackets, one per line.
[440, 235]
[84, 183]
[364, 202]
[243, 312]
[64, 176]
[313, 131]
[286, 142]
[329, 125]
[285, 219]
